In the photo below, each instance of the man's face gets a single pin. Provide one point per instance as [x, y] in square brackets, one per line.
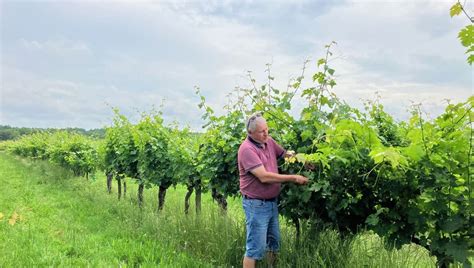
[261, 132]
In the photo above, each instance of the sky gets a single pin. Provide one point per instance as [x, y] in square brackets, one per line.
[67, 63]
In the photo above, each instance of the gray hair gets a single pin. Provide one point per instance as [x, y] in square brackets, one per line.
[253, 120]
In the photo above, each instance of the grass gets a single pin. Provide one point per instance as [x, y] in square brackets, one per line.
[51, 218]
[66, 221]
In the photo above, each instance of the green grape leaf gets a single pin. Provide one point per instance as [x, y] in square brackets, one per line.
[455, 9]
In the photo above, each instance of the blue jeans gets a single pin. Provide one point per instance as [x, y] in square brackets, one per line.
[263, 229]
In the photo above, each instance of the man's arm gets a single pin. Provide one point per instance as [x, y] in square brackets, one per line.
[269, 177]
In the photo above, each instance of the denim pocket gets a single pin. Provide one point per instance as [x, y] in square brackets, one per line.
[256, 203]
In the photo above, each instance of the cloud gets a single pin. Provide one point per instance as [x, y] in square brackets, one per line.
[398, 39]
[82, 57]
[29, 100]
[397, 97]
[404, 50]
[58, 46]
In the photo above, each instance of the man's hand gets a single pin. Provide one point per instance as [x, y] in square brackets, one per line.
[290, 153]
[300, 179]
[290, 157]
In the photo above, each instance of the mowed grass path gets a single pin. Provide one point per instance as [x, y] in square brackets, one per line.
[50, 218]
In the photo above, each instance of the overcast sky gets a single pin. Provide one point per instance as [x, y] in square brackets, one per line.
[66, 63]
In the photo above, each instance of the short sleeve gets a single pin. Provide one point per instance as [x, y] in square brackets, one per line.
[279, 151]
[249, 159]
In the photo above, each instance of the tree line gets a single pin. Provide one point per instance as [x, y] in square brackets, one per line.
[12, 133]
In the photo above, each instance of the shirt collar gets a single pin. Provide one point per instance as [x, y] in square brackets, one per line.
[259, 145]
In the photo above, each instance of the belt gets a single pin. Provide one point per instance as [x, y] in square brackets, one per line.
[261, 199]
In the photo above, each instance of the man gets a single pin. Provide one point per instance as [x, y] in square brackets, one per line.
[260, 187]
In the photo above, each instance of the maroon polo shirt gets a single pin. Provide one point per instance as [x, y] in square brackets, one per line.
[252, 155]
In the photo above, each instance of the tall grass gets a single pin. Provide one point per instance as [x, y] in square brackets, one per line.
[68, 221]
